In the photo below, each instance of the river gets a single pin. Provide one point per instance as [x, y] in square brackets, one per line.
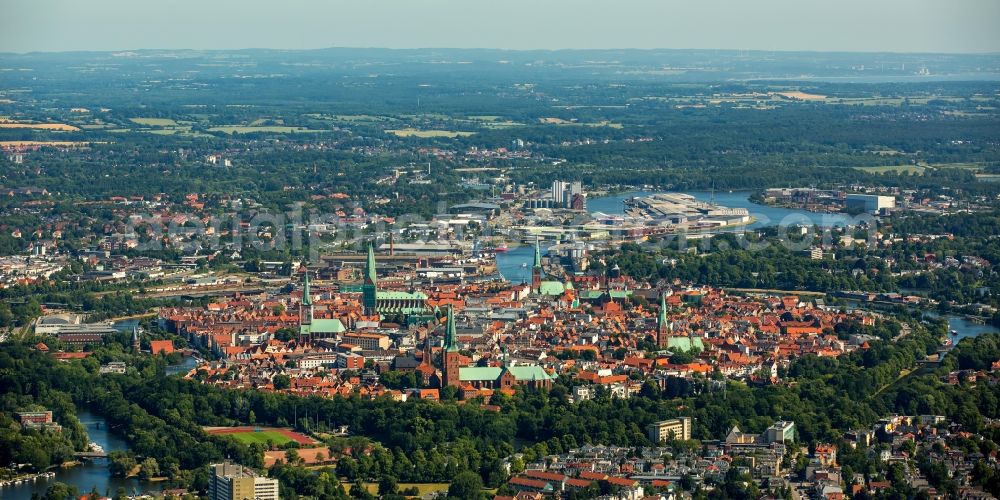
[770, 216]
[93, 474]
[510, 265]
[189, 363]
[90, 474]
[763, 215]
[126, 325]
[965, 328]
[515, 264]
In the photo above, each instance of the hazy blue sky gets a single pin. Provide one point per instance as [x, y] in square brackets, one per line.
[847, 25]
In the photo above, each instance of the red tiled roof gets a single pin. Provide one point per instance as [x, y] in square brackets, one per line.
[578, 483]
[621, 481]
[161, 346]
[548, 476]
[528, 482]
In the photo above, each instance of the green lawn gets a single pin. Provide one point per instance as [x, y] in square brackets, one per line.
[260, 437]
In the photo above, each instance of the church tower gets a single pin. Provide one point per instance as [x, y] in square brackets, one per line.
[369, 290]
[306, 310]
[536, 269]
[452, 358]
[135, 339]
[663, 328]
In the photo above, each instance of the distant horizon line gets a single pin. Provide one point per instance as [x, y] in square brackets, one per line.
[497, 49]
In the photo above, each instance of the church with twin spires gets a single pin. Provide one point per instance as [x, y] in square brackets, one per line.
[381, 303]
[376, 304]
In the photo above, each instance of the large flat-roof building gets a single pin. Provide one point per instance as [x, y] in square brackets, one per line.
[86, 334]
[780, 432]
[869, 202]
[235, 482]
[367, 341]
[674, 428]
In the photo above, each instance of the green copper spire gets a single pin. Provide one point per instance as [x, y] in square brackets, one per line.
[450, 337]
[370, 274]
[306, 294]
[538, 255]
[369, 289]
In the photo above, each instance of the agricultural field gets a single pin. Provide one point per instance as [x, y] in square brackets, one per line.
[891, 101]
[30, 144]
[802, 96]
[424, 134]
[966, 166]
[261, 122]
[560, 121]
[61, 127]
[350, 118]
[176, 130]
[918, 169]
[249, 129]
[492, 122]
[898, 169]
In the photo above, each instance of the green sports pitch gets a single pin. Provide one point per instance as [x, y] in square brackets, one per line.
[263, 437]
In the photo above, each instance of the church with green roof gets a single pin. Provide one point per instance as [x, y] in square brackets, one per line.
[311, 327]
[388, 302]
[486, 377]
[547, 288]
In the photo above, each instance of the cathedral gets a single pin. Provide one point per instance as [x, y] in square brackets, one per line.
[376, 304]
[379, 303]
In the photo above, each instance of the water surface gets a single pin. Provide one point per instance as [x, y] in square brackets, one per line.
[764, 215]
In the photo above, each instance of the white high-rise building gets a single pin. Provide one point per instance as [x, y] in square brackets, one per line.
[563, 193]
[558, 193]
